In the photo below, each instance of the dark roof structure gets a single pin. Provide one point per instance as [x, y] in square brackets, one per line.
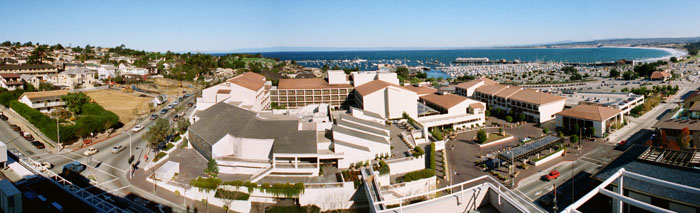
[634, 160]
[26, 66]
[223, 119]
[528, 148]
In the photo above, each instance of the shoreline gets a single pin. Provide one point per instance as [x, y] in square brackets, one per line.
[671, 52]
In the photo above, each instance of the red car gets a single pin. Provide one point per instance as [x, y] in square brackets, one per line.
[552, 175]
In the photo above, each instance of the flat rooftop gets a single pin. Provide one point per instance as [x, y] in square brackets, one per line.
[610, 99]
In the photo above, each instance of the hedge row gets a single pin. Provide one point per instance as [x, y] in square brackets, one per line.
[233, 195]
[206, 183]
[417, 175]
[288, 190]
[384, 167]
[159, 156]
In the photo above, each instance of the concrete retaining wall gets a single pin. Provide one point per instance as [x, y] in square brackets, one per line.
[404, 165]
[549, 158]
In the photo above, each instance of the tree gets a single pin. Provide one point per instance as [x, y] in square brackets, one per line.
[574, 138]
[212, 168]
[75, 101]
[509, 119]
[674, 59]
[487, 113]
[575, 129]
[46, 86]
[157, 133]
[545, 130]
[481, 136]
[614, 73]
[591, 131]
[500, 131]
[522, 117]
[685, 138]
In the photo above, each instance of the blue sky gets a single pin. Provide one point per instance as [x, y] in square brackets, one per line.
[230, 25]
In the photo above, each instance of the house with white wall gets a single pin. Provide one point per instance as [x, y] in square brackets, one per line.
[11, 81]
[248, 88]
[44, 101]
[106, 71]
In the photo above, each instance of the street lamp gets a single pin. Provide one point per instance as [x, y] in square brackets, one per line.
[58, 137]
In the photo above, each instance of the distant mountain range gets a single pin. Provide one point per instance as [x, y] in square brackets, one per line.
[559, 44]
[621, 42]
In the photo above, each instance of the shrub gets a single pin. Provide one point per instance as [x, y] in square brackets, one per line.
[159, 156]
[169, 146]
[437, 134]
[384, 168]
[184, 143]
[233, 195]
[481, 136]
[206, 183]
[509, 119]
[417, 175]
[418, 151]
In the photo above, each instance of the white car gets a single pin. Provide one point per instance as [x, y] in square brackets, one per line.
[90, 151]
[118, 149]
[46, 166]
[137, 128]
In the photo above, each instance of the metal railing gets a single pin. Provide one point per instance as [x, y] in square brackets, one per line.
[95, 201]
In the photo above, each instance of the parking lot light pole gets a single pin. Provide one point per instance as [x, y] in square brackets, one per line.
[129, 143]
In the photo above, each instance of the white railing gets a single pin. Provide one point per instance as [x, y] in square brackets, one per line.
[620, 198]
[93, 200]
[501, 190]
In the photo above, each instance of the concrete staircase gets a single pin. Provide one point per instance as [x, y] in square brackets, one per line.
[261, 175]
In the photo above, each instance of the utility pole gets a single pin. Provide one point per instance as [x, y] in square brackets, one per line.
[555, 208]
[512, 164]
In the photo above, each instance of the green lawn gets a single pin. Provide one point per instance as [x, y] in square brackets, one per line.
[264, 60]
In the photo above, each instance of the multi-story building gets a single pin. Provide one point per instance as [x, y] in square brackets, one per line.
[45, 101]
[537, 106]
[250, 89]
[386, 99]
[295, 93]
[467, 89]
[32, 69]
[11, 81]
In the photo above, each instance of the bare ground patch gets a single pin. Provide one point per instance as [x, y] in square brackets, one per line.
[128, 106]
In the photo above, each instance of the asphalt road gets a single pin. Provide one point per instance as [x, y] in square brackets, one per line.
[108, 169]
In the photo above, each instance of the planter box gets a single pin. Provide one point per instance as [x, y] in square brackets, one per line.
[496, 142]
[549, 158]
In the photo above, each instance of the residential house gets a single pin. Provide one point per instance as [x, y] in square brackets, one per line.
[596, 118]
[106, 71]
[32, 69]
[660, 76]
[44, 101]
[11, 81]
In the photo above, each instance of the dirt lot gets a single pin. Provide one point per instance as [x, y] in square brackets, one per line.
[170, 87]
[128, 106]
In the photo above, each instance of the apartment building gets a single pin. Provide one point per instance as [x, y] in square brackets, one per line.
[537, 106]
[467, 89]
[11, 81]
[386, 99]
[33, 69]
[45, 101]
[296, 93]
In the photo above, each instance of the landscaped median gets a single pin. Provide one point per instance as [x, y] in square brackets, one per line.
[163, 155]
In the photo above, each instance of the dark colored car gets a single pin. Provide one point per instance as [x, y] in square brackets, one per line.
[3, 117]
[15, 128]
[190, 104]
[154, 116]
[163, 111]
[38, 145]
[74, 166]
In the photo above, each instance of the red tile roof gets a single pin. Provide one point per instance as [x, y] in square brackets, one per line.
[249, 80]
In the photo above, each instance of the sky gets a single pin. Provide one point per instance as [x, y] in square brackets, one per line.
[209, 26]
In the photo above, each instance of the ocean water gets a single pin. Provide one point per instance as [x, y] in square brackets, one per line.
[435, 58]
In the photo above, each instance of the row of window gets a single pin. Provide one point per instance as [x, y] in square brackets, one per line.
[310, 92]
[299, 104]
[308, 98]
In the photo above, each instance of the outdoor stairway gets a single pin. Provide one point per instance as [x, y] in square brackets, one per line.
[408, 140]
[261, 175]
[439, 165]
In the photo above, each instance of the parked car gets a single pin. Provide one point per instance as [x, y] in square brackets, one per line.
[137, 128]
[552, 175]
[622, 143]
[15, 128]
[118, 149]
[154, 116]
[90, 151]
[74, 166]
[190, 104]
[27, 136]
[163, 111]
[38, 145]
[3, 117]
[47, 165]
